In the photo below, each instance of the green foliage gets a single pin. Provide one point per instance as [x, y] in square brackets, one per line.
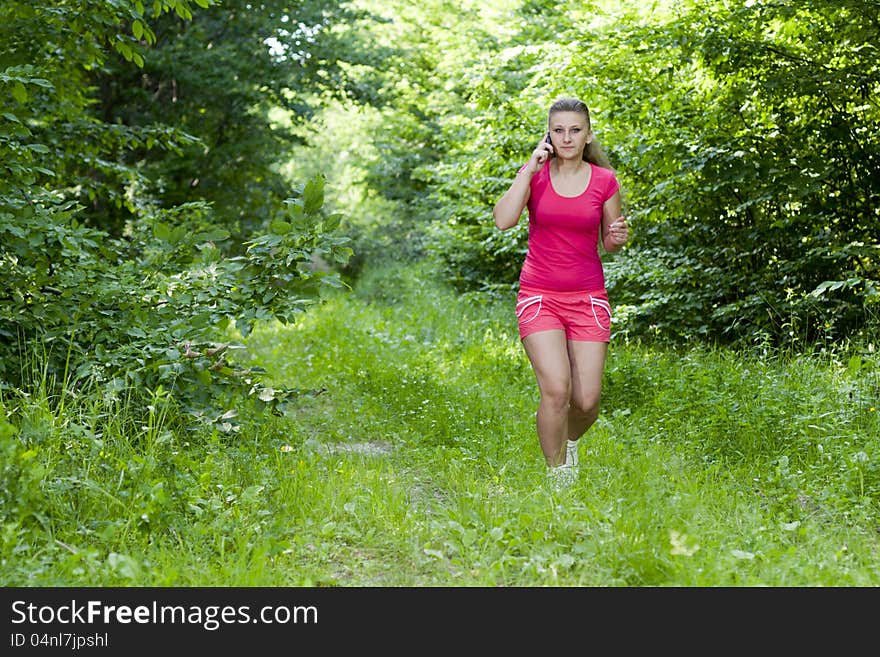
[21, 472]
[217, 78]
[159, 312]
[485, 146]
[419, 77]
[49, 134]
[743, 135]
[154, 256]
[755, 186]
[122, 283]
[418, 465]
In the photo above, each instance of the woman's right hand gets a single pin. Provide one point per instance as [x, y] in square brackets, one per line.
[543, 151]
[509, 207]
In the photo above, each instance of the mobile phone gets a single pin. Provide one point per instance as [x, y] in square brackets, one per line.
[549, 141]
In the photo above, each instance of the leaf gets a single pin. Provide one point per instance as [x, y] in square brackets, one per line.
[215, 235]
[19, 92]
[183, 11]
[177, 234]
[342, 255]
[280, 227]
[137, 28]
[124, 49]
[162, 231]
[313, 195]
[332, 221]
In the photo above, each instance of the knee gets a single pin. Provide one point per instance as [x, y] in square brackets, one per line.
[556, 396]
[586, 404]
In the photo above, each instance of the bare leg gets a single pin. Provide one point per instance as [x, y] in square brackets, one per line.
[587, 366]
[549, 355]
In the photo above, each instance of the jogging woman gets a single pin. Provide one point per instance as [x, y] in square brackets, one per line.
[573, 201]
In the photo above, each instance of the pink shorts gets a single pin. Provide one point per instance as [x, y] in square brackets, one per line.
[584, 316]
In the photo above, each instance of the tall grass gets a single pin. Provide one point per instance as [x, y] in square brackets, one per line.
[415, 463]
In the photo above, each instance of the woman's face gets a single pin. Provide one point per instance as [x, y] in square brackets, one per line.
[569, 134]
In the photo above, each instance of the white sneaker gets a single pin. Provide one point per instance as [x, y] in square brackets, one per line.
[571, 453]
[561, 476]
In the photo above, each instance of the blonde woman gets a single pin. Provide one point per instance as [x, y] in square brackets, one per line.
[573, 201]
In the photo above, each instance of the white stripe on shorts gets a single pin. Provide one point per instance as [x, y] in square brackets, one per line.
[605, 306]
[529, 301]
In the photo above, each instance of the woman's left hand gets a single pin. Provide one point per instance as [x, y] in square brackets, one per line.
[618, 232]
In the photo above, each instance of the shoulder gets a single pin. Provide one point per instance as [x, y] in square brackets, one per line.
[603, 173]
[607, 179]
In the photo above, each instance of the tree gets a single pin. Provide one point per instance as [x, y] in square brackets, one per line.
[111, 283]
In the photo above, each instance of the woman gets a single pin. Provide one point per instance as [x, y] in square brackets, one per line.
[573, 202]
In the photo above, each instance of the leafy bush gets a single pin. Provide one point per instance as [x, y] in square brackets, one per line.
[108, 279]
[744, 139]
[153, 308]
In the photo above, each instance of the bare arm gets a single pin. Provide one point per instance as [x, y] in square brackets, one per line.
[615, 231]
[509, 207]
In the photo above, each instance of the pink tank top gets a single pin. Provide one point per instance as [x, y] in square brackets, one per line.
[563, 253]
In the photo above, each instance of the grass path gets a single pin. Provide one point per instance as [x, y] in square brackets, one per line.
[418, 464]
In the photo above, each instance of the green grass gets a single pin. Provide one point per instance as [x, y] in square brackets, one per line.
[418, 465]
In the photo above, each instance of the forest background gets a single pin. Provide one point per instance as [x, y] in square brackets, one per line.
[180, 177]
